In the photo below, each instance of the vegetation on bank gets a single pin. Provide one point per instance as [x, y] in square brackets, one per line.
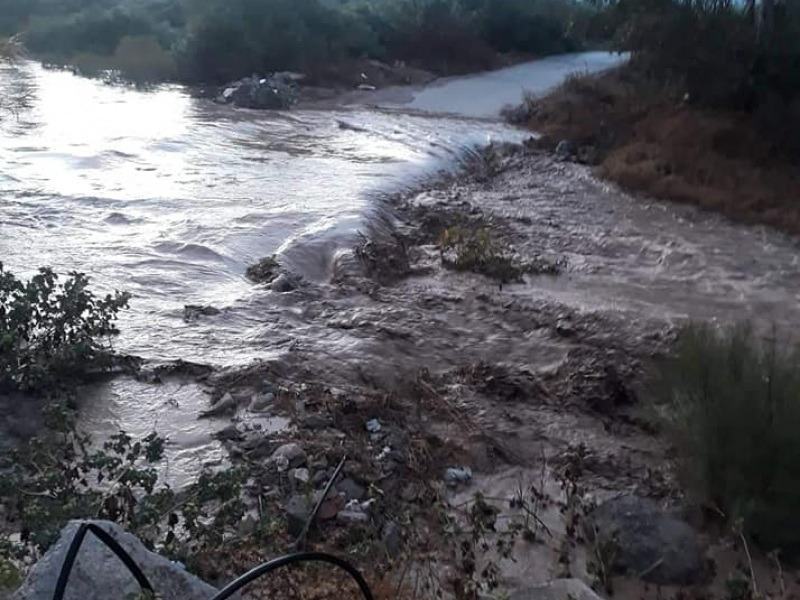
[52, 332]
[731, 404]
[707, 111]
[214, 41]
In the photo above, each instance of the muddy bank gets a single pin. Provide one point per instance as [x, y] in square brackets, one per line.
[488, 335]
[652, 139]
[438, 384]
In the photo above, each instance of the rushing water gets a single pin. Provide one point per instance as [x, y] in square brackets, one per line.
[171, 197]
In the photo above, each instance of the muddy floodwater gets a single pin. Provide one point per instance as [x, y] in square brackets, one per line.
[172, 197]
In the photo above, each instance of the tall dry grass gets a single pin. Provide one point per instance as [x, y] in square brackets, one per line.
[730, 401]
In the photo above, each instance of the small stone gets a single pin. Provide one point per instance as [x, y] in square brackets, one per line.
[588, 155]
[458, 475]
[351, 489]
[248, 524]
[316, 422]
[192, 312]
[319, 479]
[331, 507]
[320, 462]
[565, 149]
[297, 509]
[283, 283]
[261, 402]
[352, 516]
[224, 405]
[301, 475]
[558, 589]
[392, 538]
[228, 434]
[373, 426]
[292, 453]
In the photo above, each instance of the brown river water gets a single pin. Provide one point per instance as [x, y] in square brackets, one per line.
[171, 198]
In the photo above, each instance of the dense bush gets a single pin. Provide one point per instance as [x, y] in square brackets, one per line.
[731, 402]
[721, 54]
[218, 40]
[227, 39]
[52, 332]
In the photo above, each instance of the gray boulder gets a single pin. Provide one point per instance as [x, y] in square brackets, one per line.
[275, 92]
[558, 589]
[99, 575]
[648, 541]
[566, 149]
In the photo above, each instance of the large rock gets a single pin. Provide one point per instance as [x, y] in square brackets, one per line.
[99, 575]
[558, 589]
[279, 91]
[648, 541]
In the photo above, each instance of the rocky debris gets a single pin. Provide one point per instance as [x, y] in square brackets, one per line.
[320, 478]
[457, 475]
[373, 426]
[351, 489]
[98, 571]
[193, 312]
[229, 434]
[288, 456]
[261, 402]
[383, 255]
[277, 92]
[392, 538]
[349, 126]
[316, 422]
[566, 150]
[331, 507]
[301, 475]
[647, 541]
[558, 589]
[354, 512]
[226, 404]
[284, 283]
[588, 155]
[265, 270]
[297, 509]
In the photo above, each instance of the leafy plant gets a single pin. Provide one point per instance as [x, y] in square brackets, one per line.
[61, 476]
[474, 249]
[52, 332]
[731, 404]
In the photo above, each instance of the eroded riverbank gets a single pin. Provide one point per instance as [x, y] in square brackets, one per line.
[410, 368]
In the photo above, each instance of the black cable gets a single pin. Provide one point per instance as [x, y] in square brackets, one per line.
[111, 543]
[289, 559]
[226, 592]
[301, 539]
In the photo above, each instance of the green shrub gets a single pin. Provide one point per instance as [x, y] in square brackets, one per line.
[468, 249]
[228, 39]
[731, 404]
[61, 475]
[53, 332]
[139, 59]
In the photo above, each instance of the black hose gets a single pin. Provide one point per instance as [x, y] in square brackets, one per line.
[113, 545]
[289, 559]
[226, 592]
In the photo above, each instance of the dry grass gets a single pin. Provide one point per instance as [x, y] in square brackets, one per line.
[651, 141]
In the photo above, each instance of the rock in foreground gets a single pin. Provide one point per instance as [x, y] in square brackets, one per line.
[559, 589]
[648, 541]
[99, 575]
